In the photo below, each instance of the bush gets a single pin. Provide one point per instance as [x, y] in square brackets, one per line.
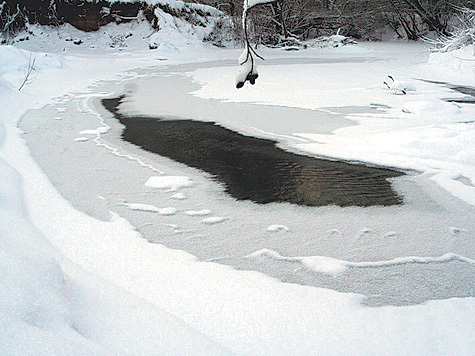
[461, 35]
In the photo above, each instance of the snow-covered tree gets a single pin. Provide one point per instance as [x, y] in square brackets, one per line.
[462, 33]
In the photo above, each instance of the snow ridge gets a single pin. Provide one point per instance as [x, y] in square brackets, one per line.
[335, 267]
[85, 108]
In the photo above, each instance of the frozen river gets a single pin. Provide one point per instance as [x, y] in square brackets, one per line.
[403, 254]
[255, 169]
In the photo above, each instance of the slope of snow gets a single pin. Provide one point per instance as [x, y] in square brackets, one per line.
[48, 305]
[455, 66]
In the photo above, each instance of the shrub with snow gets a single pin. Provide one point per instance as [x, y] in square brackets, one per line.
[226, 32]
[399, 86]
[118, 41]
[462, 34]
[334, 41]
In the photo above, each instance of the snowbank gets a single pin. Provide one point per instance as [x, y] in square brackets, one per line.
[105, 290]
[458, 65]
[49, 306]
[176, 5]
[14, 64]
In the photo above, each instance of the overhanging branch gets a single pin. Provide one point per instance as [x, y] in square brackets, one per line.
[248, 57]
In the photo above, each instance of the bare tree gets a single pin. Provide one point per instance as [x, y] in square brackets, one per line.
[10, 21]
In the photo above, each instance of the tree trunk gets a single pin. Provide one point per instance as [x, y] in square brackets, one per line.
[432, 21]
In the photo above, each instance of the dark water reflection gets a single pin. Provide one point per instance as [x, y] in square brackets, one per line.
[462, 89]
[256, 169]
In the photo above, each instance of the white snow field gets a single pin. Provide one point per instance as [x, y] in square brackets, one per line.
[92, 263]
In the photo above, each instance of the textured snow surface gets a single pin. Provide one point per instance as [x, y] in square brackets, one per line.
[277, 228]
[142, 207]
[418, 131]
[335, 267]
[48, 304]
[203, 212]
[71, 284]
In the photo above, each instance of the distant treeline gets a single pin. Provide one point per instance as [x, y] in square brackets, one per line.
[278, 20]
[356, 18]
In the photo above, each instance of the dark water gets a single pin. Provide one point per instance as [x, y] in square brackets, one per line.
[463, 90]
[256, 169]
[470, 91]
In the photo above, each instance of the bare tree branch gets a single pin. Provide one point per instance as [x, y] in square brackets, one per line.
[28, 73]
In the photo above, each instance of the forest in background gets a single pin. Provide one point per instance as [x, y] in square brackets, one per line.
[277, 23]
[282, 20]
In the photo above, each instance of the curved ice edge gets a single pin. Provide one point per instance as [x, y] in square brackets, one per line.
[83, 105]
[337, 267]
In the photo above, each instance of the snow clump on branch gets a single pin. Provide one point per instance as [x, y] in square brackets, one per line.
[247, 59]
[334, 41]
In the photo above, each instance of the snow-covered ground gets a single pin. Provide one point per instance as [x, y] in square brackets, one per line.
[75, 284]
[416, 131]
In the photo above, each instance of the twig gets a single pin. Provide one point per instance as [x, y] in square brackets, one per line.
[29, 71]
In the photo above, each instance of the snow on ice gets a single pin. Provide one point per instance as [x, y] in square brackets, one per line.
[142, 207]
[179, 196]
[71, 284]
[380, 138]
[336, 267]
[277, 228]
[169, 182]
[152, 209]
[214, 220]
[98, 131]
[81, 139]
[203, 212]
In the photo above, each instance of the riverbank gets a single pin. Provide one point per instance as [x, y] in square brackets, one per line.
[87, 263]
